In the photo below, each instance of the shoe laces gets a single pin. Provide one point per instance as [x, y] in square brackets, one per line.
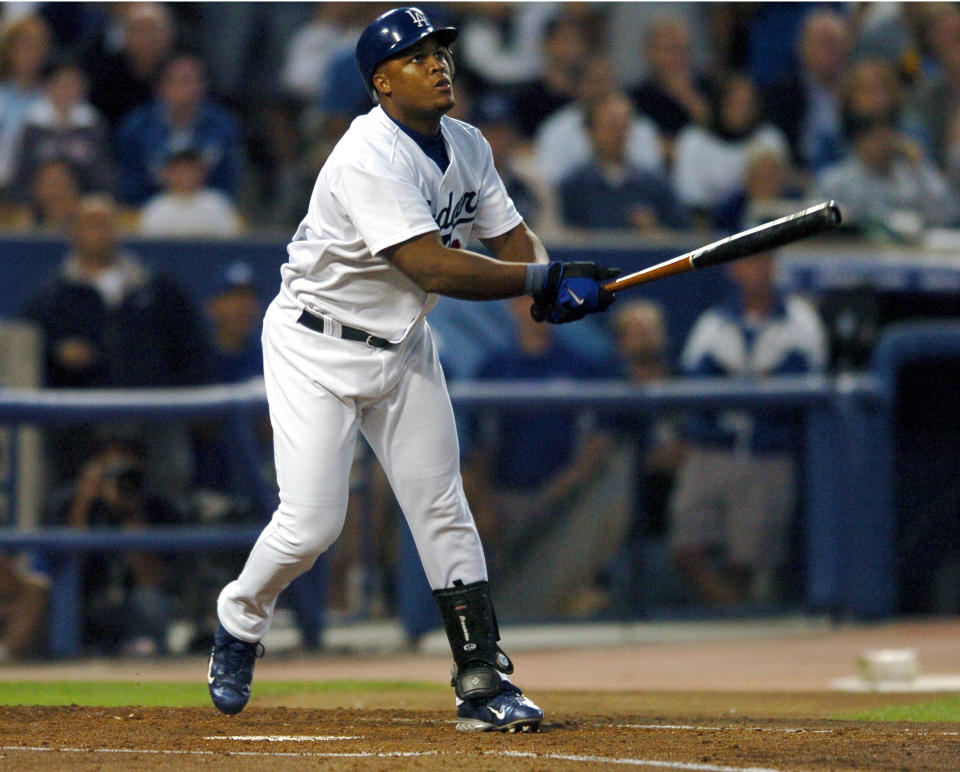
[508, 687]
[237, 655]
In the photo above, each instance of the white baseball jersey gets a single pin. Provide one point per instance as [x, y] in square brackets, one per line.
[378, 189]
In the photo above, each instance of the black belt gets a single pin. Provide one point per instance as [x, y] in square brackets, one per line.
[315, 323]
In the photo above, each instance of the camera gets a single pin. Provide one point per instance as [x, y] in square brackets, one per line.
[126, 476]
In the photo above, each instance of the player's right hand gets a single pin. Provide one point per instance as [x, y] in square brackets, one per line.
[570, 291]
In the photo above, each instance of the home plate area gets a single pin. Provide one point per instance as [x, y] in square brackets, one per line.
[583, 731]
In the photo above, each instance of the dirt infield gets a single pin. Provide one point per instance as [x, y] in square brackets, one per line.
[584, 731]
[740, 703]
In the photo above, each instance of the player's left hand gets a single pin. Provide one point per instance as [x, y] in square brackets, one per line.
[571, 291]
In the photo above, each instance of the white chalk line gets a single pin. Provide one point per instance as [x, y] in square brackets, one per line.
[586, 759]
[655, 763]
[777, 729]
[172, 752]
[732, 727]
[690, 765]
[284, 738]
[686, 727]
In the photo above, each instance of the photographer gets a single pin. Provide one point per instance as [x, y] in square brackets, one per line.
[127, 597]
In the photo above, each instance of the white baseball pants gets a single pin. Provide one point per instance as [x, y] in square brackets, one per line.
[321, 390]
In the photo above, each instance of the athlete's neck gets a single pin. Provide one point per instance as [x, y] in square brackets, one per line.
[433, 145]
[428, 126]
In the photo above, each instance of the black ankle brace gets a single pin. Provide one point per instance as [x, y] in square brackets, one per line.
[471, 627]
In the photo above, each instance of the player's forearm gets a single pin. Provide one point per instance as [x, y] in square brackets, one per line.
[518, 245]
[471, 276]
[457, 273]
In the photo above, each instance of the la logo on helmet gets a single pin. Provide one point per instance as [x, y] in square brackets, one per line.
[417, 16]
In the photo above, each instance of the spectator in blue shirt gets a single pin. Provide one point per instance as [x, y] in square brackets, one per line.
[609, 191]
[546, 486]
[182, 116]
[24, 49]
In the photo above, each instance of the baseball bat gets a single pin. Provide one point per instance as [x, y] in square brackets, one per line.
[764, 237]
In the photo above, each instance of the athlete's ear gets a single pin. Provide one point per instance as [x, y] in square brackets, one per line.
[380, 82]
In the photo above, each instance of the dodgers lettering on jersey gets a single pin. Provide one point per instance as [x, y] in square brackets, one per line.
[452, 215]
[378, 189]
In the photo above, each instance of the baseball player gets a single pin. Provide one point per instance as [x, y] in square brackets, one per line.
[347, 349]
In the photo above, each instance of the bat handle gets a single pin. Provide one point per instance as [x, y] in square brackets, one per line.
[671, 267]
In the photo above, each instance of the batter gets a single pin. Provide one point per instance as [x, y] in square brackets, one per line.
[347, 349]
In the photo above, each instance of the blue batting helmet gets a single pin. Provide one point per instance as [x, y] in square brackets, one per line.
[392, 32]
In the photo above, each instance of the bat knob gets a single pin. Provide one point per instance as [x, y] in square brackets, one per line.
[833, 213]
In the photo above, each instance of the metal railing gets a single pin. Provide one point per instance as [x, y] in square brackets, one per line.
[847, 519]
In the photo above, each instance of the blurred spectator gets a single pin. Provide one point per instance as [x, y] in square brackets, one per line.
[245, 44]
[182, 116]
[610, 192]
[564, 49]
[709, 161]
[674, 93]
[125, 74]
[63, 124]
[75, 26]
[934, 114]
[282, 167]
[500, 43]
[128, 597]
[547, 490]
[109, 321]
[234, 310]
[641, 577]
[892, 33]
[806, 105]
[768, 192]
[345, 95]
[54, 194]
[333, 27]
[757, 38]
[24, 49]
[628, 29]
[736, 491]
[23, 608]
[562, 142]
[888, 187]
[187, 208]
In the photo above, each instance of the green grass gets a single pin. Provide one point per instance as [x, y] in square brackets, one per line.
[173, 694]
[941, 709]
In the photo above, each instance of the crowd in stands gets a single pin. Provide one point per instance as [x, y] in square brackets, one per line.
[197, 120]
[212, 119]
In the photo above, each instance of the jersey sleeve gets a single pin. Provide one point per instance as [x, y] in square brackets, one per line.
[496, 213]
[384, 208]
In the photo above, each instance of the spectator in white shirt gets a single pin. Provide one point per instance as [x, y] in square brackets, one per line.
[187, 208]
[562, 142]
[501, 43]
[710, 161]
